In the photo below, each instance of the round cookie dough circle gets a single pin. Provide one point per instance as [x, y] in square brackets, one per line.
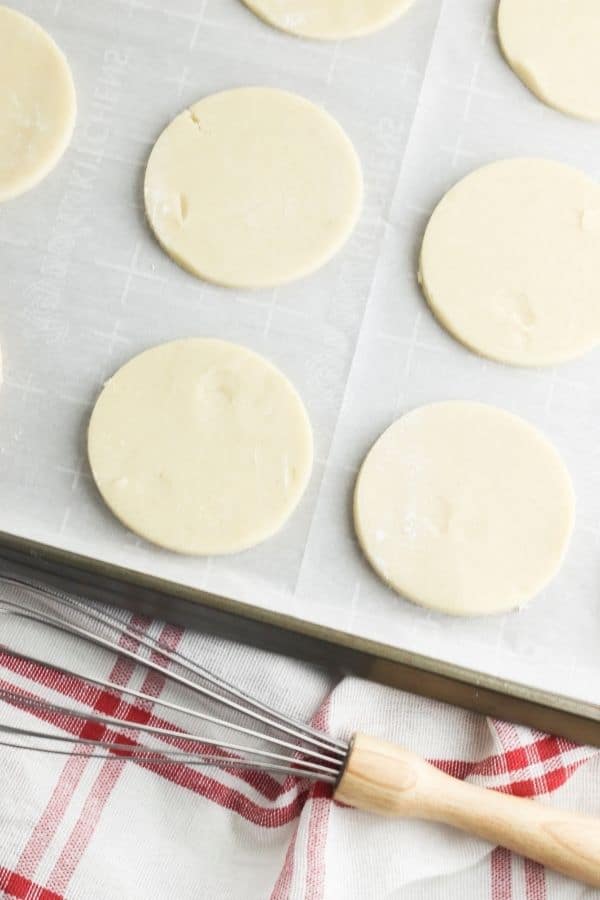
[253, 187]
[37, 104]
[554, 48]
[200, 446]
[464, 508]
[510, 262]
[331, 20]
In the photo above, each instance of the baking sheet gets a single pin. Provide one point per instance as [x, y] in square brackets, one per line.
[85, 287]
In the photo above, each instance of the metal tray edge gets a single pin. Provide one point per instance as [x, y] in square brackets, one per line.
[336, 650]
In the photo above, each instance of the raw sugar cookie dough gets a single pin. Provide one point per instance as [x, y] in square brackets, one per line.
[200, 446]
[510, 262]
[253, 187]
[464, 508]
[554, 48]
[331, 20]
[37, 103]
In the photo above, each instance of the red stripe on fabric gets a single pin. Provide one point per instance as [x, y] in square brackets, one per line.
[317, 840]
[551, 746]
[556, 778]
[281, 891]
[544, 751]
[541, 748]
[263, 783]
[552, 780]
[77, 690]
[63, 684]
[230, 798]
[109, 775]
[189, 779]
[535, 881]
[283, 885]
[501, 874]
[83, 830]
[510, 760]
[318, 824]
[321, 795]
[74, 769]
[539, 752]
[14, 885]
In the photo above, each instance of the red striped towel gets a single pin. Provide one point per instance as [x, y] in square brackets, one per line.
[76, 828]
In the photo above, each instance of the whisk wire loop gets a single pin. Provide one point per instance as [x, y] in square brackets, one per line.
[293, 747]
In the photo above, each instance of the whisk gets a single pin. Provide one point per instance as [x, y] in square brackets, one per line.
[365, 772]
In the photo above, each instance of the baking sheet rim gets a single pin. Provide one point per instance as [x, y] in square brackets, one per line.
[383, 663]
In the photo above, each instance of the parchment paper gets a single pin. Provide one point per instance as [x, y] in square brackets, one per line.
[84, 287]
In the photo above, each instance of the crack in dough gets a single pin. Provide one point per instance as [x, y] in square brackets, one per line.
[272, 188]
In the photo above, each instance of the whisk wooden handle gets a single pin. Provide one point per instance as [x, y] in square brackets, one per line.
[382, 778]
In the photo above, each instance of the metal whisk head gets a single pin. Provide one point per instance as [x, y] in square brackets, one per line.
[199, 719]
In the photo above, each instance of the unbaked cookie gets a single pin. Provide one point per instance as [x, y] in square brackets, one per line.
[554, 48]
[464, 508]
[253, 187]
[331, 20]
[37, 103]
[510, 262]
[200, 446]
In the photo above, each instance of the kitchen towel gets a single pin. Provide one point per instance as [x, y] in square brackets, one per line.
[79, 828]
